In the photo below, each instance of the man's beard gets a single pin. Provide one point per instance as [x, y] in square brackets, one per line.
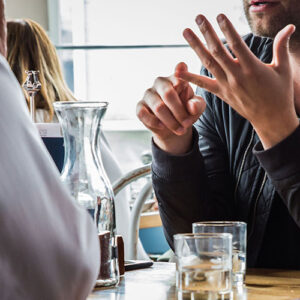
[273, 27]
[277, 22]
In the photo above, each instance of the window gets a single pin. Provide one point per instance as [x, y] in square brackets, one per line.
[112, 50]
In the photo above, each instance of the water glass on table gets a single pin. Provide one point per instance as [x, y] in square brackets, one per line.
[203, 264]
[239, 242]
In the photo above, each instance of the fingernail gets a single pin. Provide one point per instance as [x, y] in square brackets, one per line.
[220, 18]
[199, 19]
[187, 34]
[180, 130]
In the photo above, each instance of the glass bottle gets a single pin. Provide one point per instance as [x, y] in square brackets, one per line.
[32, 85]
[84, 175]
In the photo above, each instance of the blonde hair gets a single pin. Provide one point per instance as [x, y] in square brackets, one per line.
[29, 48]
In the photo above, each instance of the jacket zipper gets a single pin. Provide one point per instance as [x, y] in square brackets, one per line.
[261, 187]
[242, 164]
[255, 206]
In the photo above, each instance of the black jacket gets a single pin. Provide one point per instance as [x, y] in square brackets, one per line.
[231, 177]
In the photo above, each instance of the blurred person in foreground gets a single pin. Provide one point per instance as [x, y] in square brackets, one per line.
[231, 151]
[48, 245]
[29, 48]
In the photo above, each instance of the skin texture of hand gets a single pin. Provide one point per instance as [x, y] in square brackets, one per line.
[261, 93]
[169, 110]
[3, 46]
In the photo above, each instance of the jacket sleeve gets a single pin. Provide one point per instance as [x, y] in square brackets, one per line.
[282, 164]
[48, 245]
[195, 186]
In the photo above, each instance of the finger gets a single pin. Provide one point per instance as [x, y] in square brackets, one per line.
[206, 58]
[171, 99]
[158, 107]
[183, 88]
[281, 47]
[204, 82]
[181, 67]
[235, 42]
[148, 118]
[215, 46]
[176, 81]
[196, 106]
[179, 85]
[187, 93]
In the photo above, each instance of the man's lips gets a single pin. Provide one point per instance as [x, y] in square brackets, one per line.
[262, 6]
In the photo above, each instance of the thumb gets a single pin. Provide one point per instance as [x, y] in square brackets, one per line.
[281, 46]
[196, 106]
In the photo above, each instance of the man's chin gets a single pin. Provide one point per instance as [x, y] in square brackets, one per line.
[263, 28]
[264, 33]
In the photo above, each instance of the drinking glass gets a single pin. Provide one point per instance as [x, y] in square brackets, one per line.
[239, 242]
[32, 86]
[204, 264]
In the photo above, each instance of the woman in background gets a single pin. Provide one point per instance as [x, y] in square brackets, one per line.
[29, 48]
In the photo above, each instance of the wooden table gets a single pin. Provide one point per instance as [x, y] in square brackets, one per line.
[158, 283]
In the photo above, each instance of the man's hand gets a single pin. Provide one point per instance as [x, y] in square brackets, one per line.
[169, 110]
[261, 93]
[3, 45]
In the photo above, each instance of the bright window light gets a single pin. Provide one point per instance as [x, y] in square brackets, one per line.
[113, 50]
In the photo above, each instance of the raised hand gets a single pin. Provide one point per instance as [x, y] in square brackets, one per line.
[262, 93]
[169, 109]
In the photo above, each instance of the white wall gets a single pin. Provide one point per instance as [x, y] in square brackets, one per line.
[32, 9]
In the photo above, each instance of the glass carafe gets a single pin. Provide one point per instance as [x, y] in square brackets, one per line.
[85, 177]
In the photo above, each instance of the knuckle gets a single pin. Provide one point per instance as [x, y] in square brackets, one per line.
[149, 123]
[159, 108]
[153, 124]
[141, 111]
[168, 93]
[149, 120]
[204, 27]
[236, 82]
[202, 85]
[235, 46]
[160, 80]
[249, 73]
[139, 106]
[208, 63]
[217, 52]
[149, 93]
